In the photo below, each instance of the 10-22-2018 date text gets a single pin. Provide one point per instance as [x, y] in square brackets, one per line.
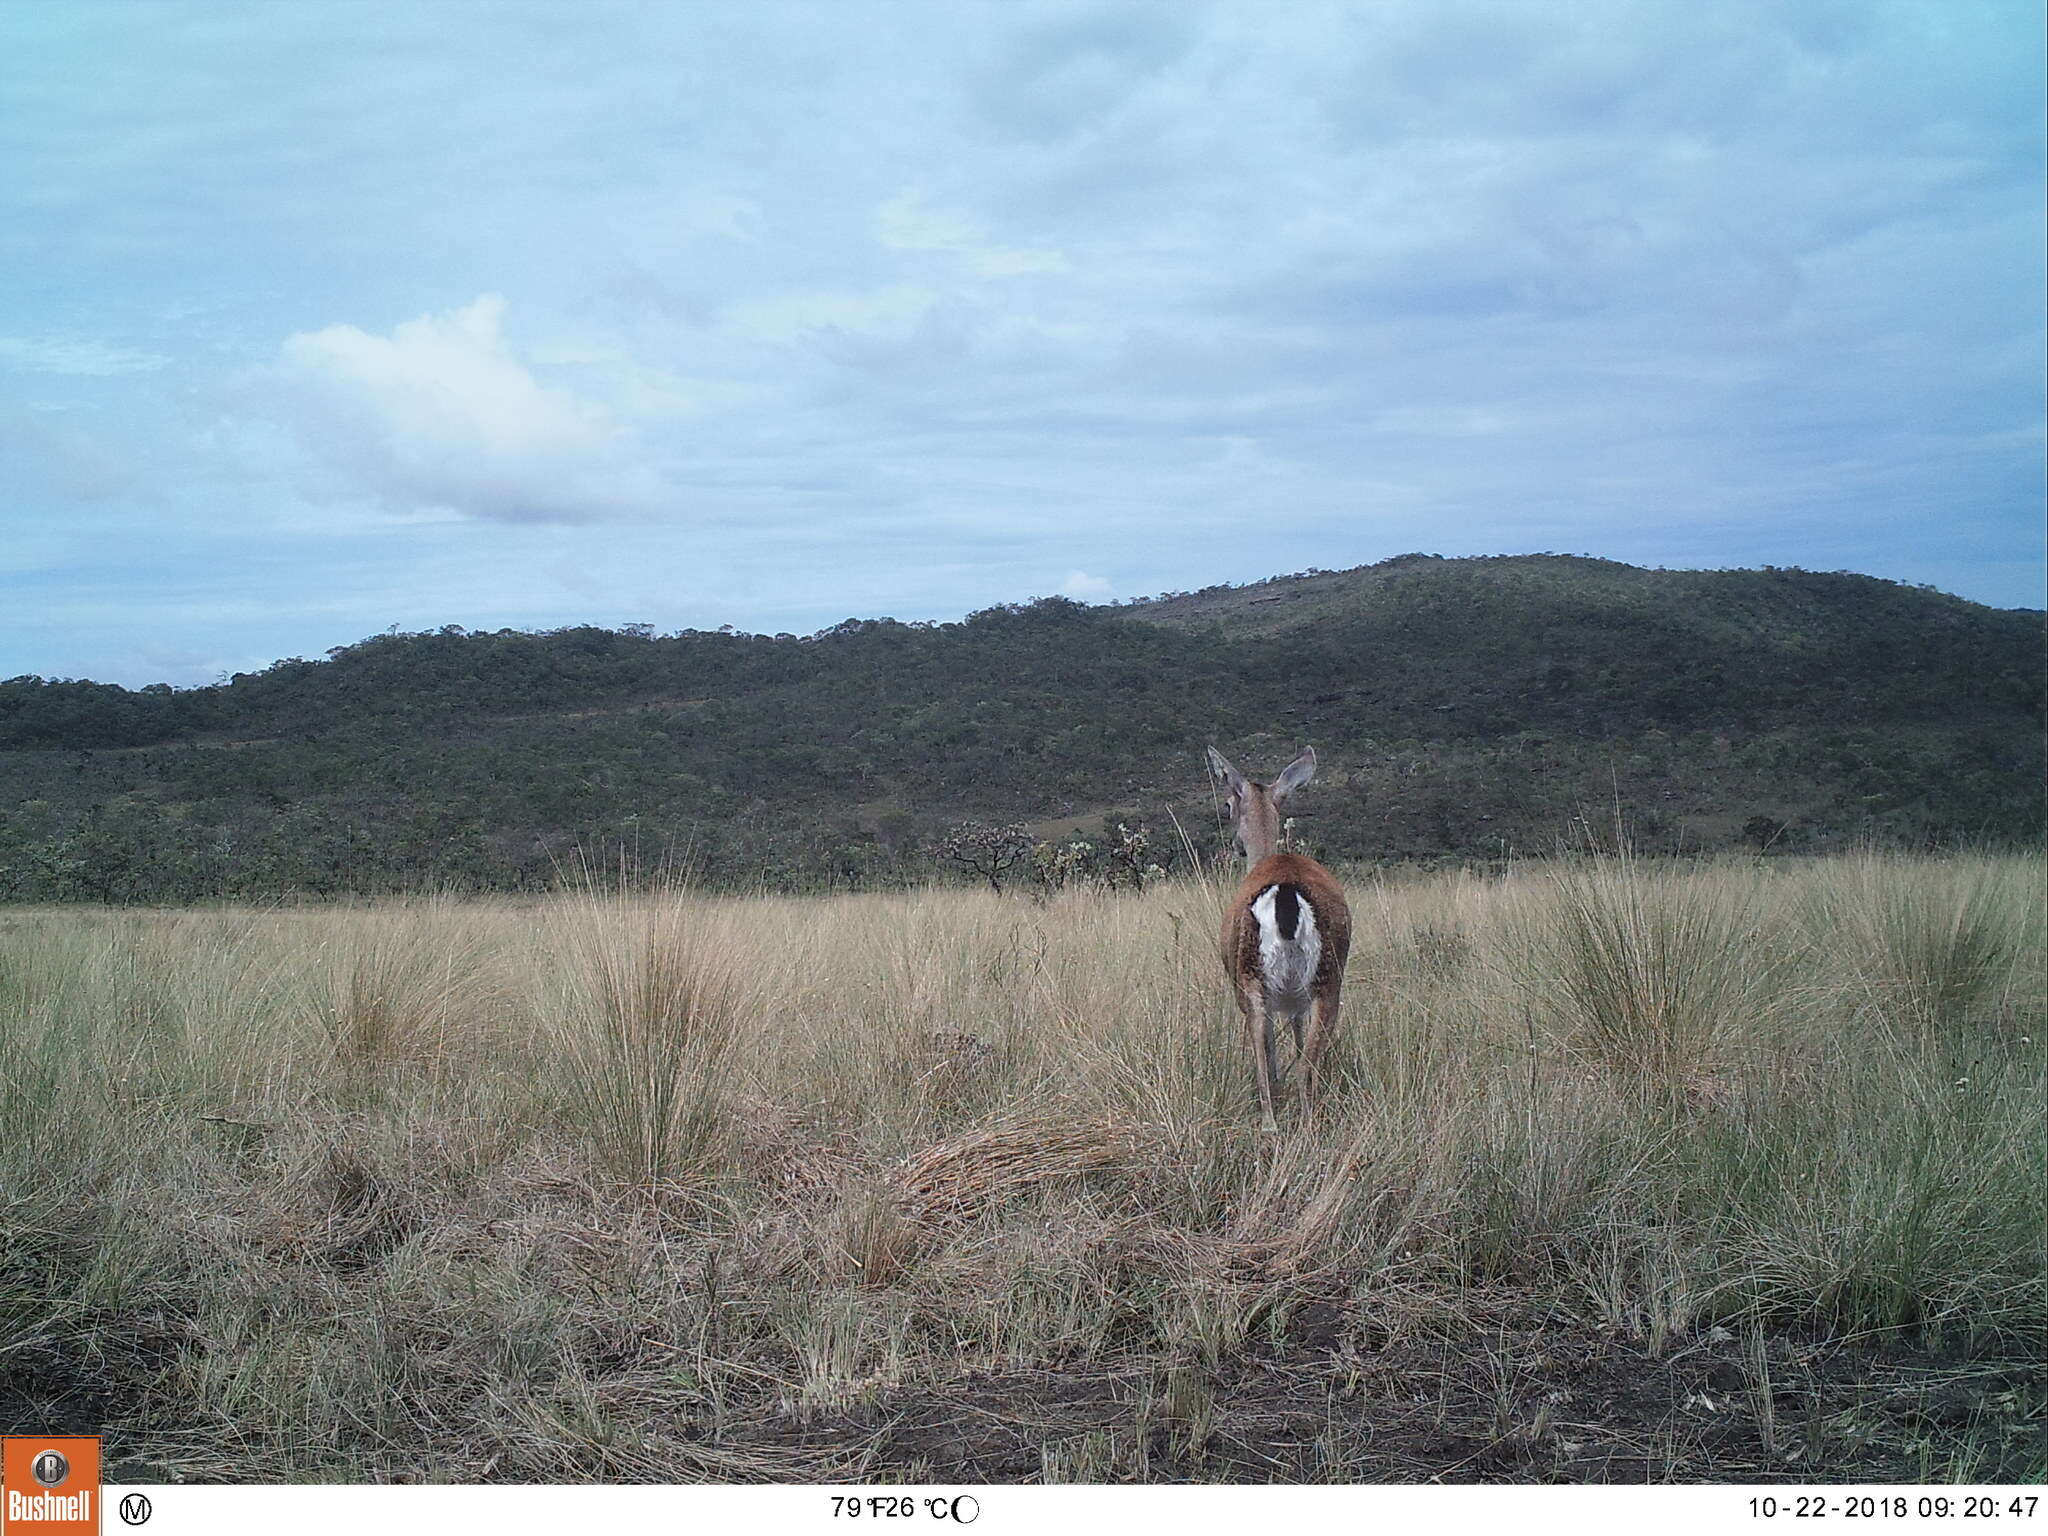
[1895, 1506]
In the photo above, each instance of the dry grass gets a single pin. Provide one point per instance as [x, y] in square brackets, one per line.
[681, 1187]
[642, 1010]
[983, 1169]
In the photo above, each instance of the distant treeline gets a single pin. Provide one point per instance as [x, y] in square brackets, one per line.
[1463, 709]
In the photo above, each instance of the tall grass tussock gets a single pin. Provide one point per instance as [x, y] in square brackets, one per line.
[627, 1185]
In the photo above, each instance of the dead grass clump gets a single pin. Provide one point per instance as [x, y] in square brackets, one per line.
[982, 1169]
[1367, 1205]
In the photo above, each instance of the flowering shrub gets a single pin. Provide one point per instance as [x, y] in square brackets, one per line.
[1056, 866]
[989, 851]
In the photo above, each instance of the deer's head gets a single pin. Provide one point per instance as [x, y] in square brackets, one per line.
[1255, 807]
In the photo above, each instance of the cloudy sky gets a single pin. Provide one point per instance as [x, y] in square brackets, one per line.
[318, 318]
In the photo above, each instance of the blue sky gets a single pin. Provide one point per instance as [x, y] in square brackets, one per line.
[318, 318]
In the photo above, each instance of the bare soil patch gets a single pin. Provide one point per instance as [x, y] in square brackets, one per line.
[1330, 1400]
[1523, 1403]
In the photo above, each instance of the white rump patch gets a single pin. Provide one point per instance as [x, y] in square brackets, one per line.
[1288, 966]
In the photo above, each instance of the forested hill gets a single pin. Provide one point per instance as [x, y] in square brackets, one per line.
[1460, 707]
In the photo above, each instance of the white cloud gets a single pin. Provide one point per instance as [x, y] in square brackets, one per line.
[1084, 588]
[441, 414]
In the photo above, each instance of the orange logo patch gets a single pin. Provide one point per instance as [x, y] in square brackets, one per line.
[51, 1485]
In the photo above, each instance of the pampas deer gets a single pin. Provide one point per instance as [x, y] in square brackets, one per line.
[1286, 932]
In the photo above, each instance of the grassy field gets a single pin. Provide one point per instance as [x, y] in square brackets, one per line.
[1629, 1172]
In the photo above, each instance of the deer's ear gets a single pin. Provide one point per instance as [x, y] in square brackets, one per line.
[1295, 774]
[1219, 765]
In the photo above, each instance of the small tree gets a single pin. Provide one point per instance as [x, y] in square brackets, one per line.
[991, 852]
[1131, 856]
[1056, 866]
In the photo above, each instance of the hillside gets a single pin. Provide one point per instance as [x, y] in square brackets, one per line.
[1462, 708]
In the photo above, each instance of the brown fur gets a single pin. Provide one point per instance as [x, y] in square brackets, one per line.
[1255, 812]
[1325, 898]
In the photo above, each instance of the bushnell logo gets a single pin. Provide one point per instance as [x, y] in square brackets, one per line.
[52, 1486]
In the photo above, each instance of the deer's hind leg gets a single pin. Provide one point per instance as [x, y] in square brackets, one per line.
[1322, 1020]
[1258, 1023]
